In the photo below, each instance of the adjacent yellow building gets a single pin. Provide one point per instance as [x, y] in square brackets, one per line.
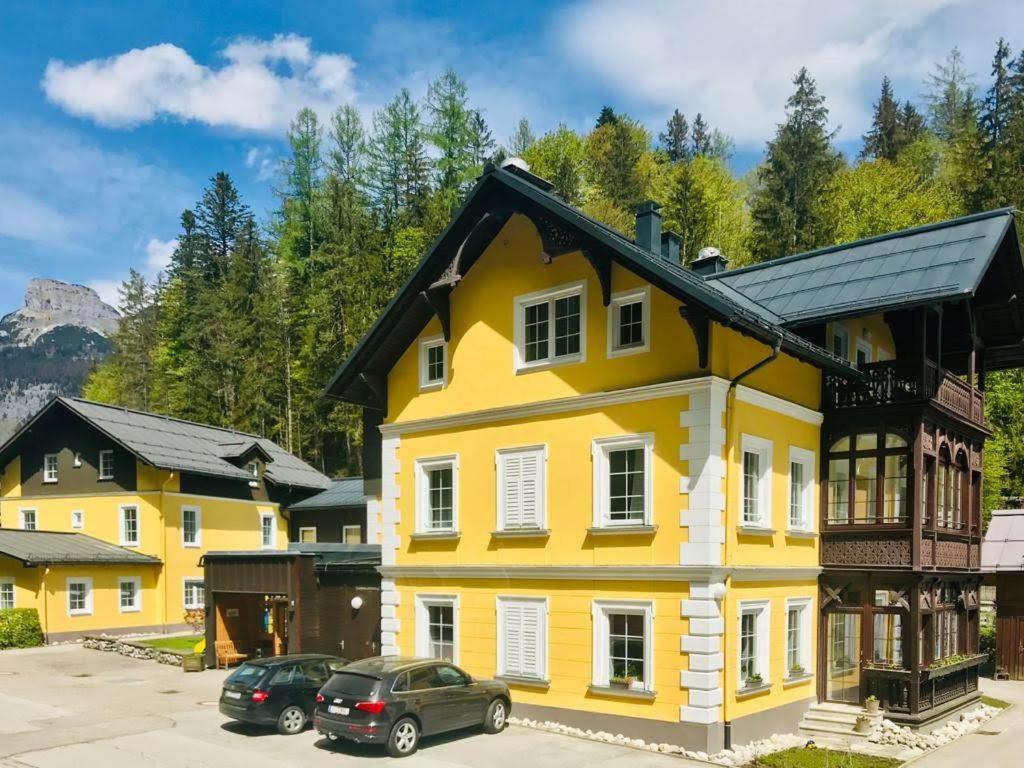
[163, 489]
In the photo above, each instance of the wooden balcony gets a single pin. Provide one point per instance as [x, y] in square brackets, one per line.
[897, 382]
[915, 694]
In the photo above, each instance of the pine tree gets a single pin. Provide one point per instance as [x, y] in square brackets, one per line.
[398, 168]
[447, 107]
[883, 140]
[219, 216]
[481, 142]
[948, 87]
[911, 126]
[522, 138]
[994, 119]
[800, 162]
[675, 139]
[606, 116]
[701, 136]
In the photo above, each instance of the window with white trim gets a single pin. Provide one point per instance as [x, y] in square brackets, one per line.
[628, 322]
[623, 480]
[756, 479]
[77, 519]
[801, 489]
[79, 592]
[191, 527]
[253, 468]
[50, 461]
[6, 594]
[521, 491]
[798, 637]
[27, 520]
[550, 326]
[754, 629]
[863, 347]
[130, 594]
[433, 362]
[352, 534]
[624, 644]
[437, 627]
[106, 469]
[840, 341]
[307, 534]
[129, 526]
[194, 594]
[437, 495]
[268, 530]
[522, 637]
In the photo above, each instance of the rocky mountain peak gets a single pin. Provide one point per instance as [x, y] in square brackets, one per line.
[51, 304]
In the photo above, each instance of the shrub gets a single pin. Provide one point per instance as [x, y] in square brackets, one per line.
[987, 641]
[19, 628]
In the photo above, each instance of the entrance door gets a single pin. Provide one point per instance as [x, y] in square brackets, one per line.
[360, 626]
[842, 665]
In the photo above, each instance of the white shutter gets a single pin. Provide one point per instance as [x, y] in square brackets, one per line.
[531, 466]
[523, 635]
[513, 490]
[522, 488]
[513, 639]
[532, 662]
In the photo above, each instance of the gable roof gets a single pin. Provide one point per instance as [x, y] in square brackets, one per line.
[898, 269]
[182, 446]
[48, 547]
[1002, 549]
[344, 492]
[511, 190]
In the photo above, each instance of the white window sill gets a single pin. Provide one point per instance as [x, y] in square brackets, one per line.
[622, 530]
[199, 546]
[755, 530]
[521, 533]
[800, 679]
[436, 536]
[79, 613]
[431, 386]
[801, 533]
[752, 690]
[131, 610]
[524, 682]
[620, 693]
[130, 544]
[544, 365]
[105, 477]
[638, 349]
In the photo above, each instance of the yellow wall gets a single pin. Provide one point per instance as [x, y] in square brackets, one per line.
[871, 329]
[10, 480]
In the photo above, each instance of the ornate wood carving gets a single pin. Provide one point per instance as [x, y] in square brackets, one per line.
[602, 265]
[556, 237]
[928, 439]
[700, 324]
[866, 551]
[437, 299]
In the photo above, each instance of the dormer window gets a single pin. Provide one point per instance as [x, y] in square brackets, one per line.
[253, 468]
[50, 468]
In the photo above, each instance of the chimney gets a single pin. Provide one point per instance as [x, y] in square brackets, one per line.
[648, 227]
[709, 261]
[670, 242]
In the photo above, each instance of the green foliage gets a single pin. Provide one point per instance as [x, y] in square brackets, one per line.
[892, 128]
[522, 139]
[1004, 409]
[559, 157]
[19, 628]
[802, 757]
[987, 641]
[988, 701]
[614, 153]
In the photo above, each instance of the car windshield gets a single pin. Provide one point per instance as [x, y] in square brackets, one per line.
[247, 674]
[353, 685]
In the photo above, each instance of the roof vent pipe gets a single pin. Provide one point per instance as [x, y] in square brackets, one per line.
[670, 243]
[648, 227]
[709, 261]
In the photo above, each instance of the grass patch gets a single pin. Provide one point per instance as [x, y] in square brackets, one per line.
[997, 703]
[183, 644]
[801, 757]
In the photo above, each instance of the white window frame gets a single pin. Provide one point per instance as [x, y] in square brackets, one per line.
[763, 637]
[87, 609]
[136, 607]
[35, 518]
[808, 461]
[253, 468]
[346, 528]
[863, 345]
[802, 604]
[423, 468]
[423, 603]
[641, 295]
[121, 528]
[600, 610]
[273, 530]
[6, 581]
[500, 457]
[199, 527]
[503, 602]
[77, 519]
[426, 344]
[51, 477]
[303, 529]
[549, 295]
[763, 449]
[840, 331]
[185, 583]
[99, 469]
[600, 448]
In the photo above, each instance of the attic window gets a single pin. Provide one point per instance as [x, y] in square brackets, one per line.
[550, 327]
[253, 468]
[106, 465]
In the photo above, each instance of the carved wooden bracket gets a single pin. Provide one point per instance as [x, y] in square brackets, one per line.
[377, 383]
[700, 324]
[603, 267]
[556, 238]
[832, 595]
[437, 299]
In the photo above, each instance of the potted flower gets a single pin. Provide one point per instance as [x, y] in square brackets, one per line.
[797, 670]
[620, 682]
[871, 704]
[755, 680]
[863, 724]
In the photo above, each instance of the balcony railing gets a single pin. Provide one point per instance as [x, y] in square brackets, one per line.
[891, 382]
[934, 687]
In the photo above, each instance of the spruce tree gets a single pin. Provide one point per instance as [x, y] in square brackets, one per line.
[947, 89]
[675, 139]
[701, 136]
[219, 216]
[614, 151]
[522, 138]
[606, 116]
[995, 117]
[911, 126]
[450, 129]
[883, 140]
[481, 141]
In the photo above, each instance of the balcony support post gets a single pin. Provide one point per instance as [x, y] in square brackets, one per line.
[915, 647]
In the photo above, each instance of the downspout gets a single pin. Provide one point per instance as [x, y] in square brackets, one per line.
[163, 530]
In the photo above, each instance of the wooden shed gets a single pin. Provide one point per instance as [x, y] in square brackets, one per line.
[1002, 553]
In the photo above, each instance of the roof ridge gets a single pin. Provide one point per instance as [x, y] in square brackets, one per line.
[166, 417]
[865, 241]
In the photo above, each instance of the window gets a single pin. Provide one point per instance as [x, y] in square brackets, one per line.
[106, 465]
[840, 341]
[798, 640]
[894, 497]
[521, 490]
[522, 637]
[50, 468]
[623, 480]
[253, 468]
[863, 352]
[130, 590]
[888, 629]
[550, 327]
[27, 519]
[754, 641]
[623, 644]
[757, 482]
[433, 363]
[867, 481]
[801, 489]
[437, 495]
[437, 627]
[352, 534]
[307, 535]
[268, 530]
[77, 519]
[6, 594]
[129, 526]
[628, 323]
[79, 590]
[191, 527]
[194, 594]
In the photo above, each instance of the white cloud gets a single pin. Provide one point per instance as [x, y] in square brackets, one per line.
[259, 87]
[158, 254]
[263, 160]
[108, 290]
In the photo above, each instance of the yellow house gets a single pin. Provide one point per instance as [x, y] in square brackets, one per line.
[165, 489]
[598, 476]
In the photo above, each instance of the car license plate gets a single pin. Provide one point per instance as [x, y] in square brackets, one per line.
[233, 694]
[335, 710]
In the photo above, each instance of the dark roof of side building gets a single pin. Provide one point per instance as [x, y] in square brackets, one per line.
[344, 492]
[53, 547]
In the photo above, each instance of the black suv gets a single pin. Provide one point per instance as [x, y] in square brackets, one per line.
[278, 690]
[393, 701]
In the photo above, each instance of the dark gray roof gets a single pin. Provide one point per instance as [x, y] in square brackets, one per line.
[917, 265]
[344, 492]
[324, 553]
[185, 446]
[1002, 549]
[46, 547]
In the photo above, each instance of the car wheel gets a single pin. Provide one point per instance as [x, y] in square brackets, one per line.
[404, 738]
[497, 716]
[291, 721]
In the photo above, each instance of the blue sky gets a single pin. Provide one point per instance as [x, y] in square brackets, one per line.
[114, 115]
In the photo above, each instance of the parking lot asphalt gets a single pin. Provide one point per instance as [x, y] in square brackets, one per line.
[68, 707]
